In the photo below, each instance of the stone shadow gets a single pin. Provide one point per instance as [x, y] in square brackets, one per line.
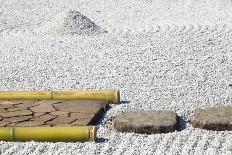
[108, 107]
[182, 123]
[101, 140]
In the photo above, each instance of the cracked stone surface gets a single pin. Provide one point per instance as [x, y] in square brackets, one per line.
[17, 119]
[149, 122]
[16, 113]
[214, 118]
[27, 123]
[62, 120]
[43, 107]
[15, 109]
[60, 113]
[50, 113]
[44, 118]
[88, 107]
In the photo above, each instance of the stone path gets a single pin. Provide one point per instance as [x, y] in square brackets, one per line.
[149, 122]
[152, 122]
[214, 118]
[50, 113]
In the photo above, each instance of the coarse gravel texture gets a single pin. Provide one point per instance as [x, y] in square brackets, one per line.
[162, 55]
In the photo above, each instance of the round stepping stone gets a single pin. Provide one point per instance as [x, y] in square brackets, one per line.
[149, 122]
[214, 118]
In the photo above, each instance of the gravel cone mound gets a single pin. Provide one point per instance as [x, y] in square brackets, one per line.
[76, 23]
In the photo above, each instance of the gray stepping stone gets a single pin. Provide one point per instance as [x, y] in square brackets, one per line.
[213, 118]
[149, 122]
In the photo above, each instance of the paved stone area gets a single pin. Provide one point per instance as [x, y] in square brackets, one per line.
[214, 118]
[50, 113]
[149, 122]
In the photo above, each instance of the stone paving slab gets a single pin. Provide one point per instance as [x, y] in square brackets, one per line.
[214, 118]
[50, 113]
[149, 122]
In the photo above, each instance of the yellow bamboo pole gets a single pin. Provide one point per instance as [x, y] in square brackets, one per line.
[25, 95]
[49, 134]
[110, 96]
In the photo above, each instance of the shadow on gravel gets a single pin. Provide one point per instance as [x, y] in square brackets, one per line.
[99, 121]
[77, 23]
[101, 140]
[182, 124]
[124, 102]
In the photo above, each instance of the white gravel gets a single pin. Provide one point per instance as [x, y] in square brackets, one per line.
[162, 55]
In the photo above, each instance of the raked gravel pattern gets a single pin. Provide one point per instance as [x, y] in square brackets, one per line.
[169, 56]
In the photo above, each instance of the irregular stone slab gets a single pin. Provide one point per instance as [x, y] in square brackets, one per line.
[43, 108]
[81, 115]
[26, 124]
[17, 119]
[15, 109]
[64, 125]
[149, 122]
[3, 123]
[39, 114]
[44, 118]
[3, 111]
[35, 112]
[4, 106]
[45, 125]
[61, 120]
[51, 102]
[86, 121]
[16, 113]
[11, 102]
[26, 104]
[80, 106]
[213, 118]
[60, 113]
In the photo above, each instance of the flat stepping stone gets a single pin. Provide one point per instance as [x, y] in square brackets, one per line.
[50, 113]
[213, 118]
[146, 122]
